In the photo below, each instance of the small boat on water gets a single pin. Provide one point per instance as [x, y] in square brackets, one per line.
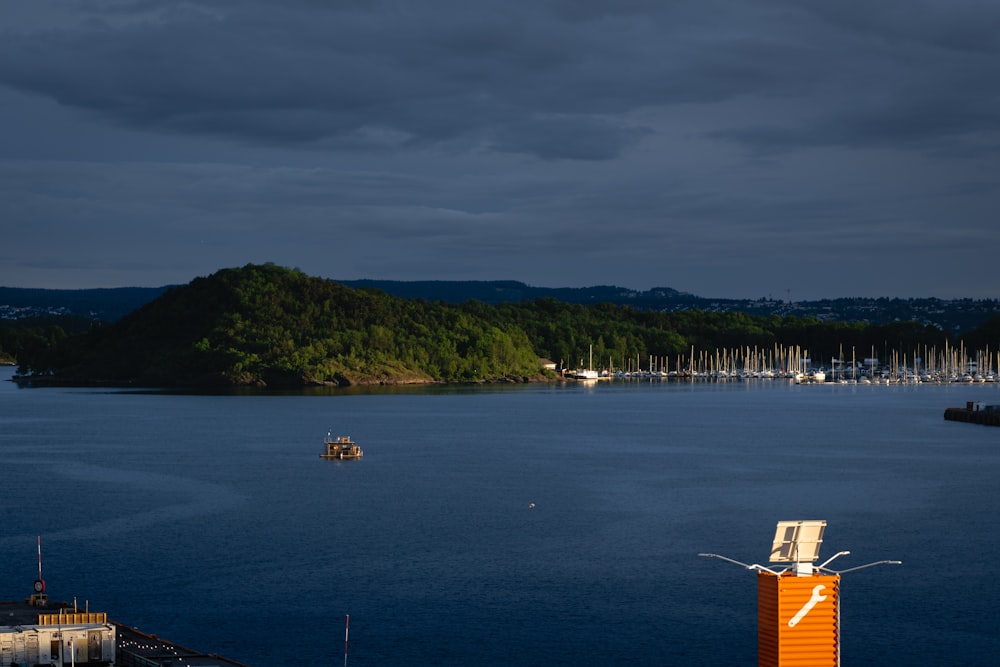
[341, 447]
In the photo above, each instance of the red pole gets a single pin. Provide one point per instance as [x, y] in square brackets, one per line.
[347, 625]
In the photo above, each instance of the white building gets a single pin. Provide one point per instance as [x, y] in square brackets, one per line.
[38, 636]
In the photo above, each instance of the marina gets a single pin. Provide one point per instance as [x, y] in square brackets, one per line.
[928, 365]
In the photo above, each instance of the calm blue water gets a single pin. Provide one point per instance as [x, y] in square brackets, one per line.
[212, 521]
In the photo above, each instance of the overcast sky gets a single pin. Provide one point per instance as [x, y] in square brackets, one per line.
[797, 149]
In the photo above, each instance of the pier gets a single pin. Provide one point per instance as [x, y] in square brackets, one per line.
[975, 413]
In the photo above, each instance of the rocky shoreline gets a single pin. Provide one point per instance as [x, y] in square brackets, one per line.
[41, 381]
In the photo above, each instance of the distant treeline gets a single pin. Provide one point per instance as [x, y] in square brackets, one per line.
[32, 337]
[106, 305]
[272, 326]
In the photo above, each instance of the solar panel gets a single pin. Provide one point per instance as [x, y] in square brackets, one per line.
[797, 541]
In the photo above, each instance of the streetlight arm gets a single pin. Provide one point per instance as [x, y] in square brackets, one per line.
[743, 565]
[861, 567]
[830, 559]
[728, 560]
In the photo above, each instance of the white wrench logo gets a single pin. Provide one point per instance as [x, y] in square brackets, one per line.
[816, 598]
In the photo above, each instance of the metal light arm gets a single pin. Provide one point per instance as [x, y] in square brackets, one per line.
[744, 565]
[830, 559]
[861, 567]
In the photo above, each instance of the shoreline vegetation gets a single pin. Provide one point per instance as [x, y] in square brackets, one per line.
[269, 327]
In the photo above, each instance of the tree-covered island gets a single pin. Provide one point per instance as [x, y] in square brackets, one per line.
[269, 326]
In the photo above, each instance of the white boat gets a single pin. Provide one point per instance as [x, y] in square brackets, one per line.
[586, 373]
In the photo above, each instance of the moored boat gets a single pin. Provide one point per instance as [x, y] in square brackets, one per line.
[341, 448]
[587, 373]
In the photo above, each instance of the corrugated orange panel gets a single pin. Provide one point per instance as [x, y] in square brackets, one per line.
[797, 620]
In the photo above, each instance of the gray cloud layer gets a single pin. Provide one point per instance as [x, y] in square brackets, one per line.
[722, 147]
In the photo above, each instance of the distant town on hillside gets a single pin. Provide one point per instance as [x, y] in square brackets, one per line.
[951, 315]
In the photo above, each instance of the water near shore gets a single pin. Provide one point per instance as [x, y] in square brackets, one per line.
[212, 521]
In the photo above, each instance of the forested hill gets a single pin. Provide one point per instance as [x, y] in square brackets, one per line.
[267, 325]
[956, 316]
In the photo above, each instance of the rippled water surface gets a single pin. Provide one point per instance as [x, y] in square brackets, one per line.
[212, 521]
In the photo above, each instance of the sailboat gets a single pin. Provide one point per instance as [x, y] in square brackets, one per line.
[586, 373]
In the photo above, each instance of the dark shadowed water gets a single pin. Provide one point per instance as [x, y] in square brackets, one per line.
[212, 521]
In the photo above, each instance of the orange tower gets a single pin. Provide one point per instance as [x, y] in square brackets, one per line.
[798, 608]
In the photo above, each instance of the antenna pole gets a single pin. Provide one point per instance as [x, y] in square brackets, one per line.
[39, 557]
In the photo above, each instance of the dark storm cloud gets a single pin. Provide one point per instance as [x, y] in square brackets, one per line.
[569, 138]
[458, 71]
[908, 75]
[715, 146]
[963, 116]
[246, 72]
[431, 73]
[963, 25]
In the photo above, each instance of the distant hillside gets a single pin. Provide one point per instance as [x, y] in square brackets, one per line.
[107, 305]
[510, 291]
[264, 325]
[954, 316]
